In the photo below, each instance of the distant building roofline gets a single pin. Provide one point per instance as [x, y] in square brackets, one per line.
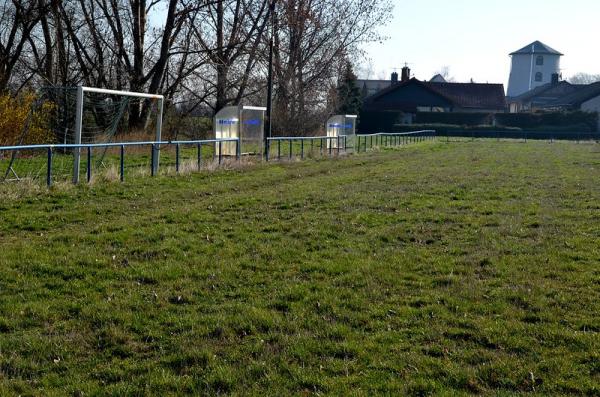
[537, 47]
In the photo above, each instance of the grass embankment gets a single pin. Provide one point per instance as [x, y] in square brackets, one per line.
[438, 268]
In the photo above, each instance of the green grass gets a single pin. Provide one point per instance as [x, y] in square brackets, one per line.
[437, 268]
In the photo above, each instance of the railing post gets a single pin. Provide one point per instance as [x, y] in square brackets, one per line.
[177, 158]
[302, 149]
[330, 144]
[312, 146]
[152, 170]
[220, 152]
[89, 164]
[267, 148]
[321, 150]
[122, 163]
[279, 149]
[88, 170]
[291, 148]
[49, 168]
[337, 145]
[199, 156]
[155, 151]
[238, 149]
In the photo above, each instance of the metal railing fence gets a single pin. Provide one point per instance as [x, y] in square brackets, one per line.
[156, 146]
[385, 139]
[324, 145]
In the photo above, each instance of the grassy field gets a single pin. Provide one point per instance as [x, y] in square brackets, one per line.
[438, 268]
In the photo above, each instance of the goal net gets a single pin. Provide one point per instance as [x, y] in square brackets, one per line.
[83, 115]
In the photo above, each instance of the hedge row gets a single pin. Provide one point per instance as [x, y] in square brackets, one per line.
[556, 121]
[450, 128]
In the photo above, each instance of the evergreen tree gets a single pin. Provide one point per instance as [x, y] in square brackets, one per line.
[348, 93]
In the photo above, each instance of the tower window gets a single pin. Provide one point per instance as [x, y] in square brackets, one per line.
[538, 76]
[539, 60]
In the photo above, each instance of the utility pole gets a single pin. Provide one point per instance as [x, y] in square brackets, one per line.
[270, 80]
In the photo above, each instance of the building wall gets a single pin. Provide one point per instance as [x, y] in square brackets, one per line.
[593, 105]
[523, 72]
[478, 110]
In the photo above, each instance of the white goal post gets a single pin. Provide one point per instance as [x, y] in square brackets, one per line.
[81, 90]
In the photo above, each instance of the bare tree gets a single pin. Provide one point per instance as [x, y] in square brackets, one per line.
[17, 20]
[115, 45]
[445, 73]
[584, 78]
[231, 36]
[312, 40]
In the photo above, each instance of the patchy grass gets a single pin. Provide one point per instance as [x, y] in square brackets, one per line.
[440, 268]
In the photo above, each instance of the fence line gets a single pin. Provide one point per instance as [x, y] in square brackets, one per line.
[328, 145]
[521, 135]
[155, 152]
[386, 139]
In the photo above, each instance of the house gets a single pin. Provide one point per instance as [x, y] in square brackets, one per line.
[539, 97]
[372, 87]
[411, 96]
[532, 66]
[438, 78]
[585, 98]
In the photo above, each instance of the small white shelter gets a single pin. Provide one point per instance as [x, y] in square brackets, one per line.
[341, 126]
[244, 122]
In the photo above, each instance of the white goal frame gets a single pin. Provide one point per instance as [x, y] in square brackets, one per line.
[81, 90]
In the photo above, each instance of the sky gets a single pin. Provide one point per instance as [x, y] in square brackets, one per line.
[474, 37]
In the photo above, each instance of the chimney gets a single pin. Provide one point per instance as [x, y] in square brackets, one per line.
[554, 78]
[405, 74]
[394, 78]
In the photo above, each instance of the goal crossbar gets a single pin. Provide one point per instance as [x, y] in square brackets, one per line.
[81, 90]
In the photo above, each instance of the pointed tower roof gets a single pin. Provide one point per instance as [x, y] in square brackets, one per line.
[537, 47]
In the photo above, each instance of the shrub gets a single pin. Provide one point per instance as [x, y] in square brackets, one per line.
[566, 121]
[450, 128]
[378, 121]
[15, 113]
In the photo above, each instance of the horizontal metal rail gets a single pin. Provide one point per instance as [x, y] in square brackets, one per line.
[340, 144]
[50, 148]
[386, 139]
[300, 138]
[116, 144]
[398, 133]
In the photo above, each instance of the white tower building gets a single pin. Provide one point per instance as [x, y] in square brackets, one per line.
[532, 66]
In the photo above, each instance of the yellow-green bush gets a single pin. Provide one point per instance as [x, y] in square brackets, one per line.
[15, 112]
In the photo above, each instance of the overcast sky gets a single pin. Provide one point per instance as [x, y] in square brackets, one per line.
[474, 37]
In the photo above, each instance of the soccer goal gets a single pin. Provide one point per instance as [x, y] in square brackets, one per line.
[119, 101]
[341, 126]
[80, 116]
[244, 122]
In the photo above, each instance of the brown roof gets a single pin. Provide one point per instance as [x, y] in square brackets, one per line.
[575, 99]
[471, 95]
